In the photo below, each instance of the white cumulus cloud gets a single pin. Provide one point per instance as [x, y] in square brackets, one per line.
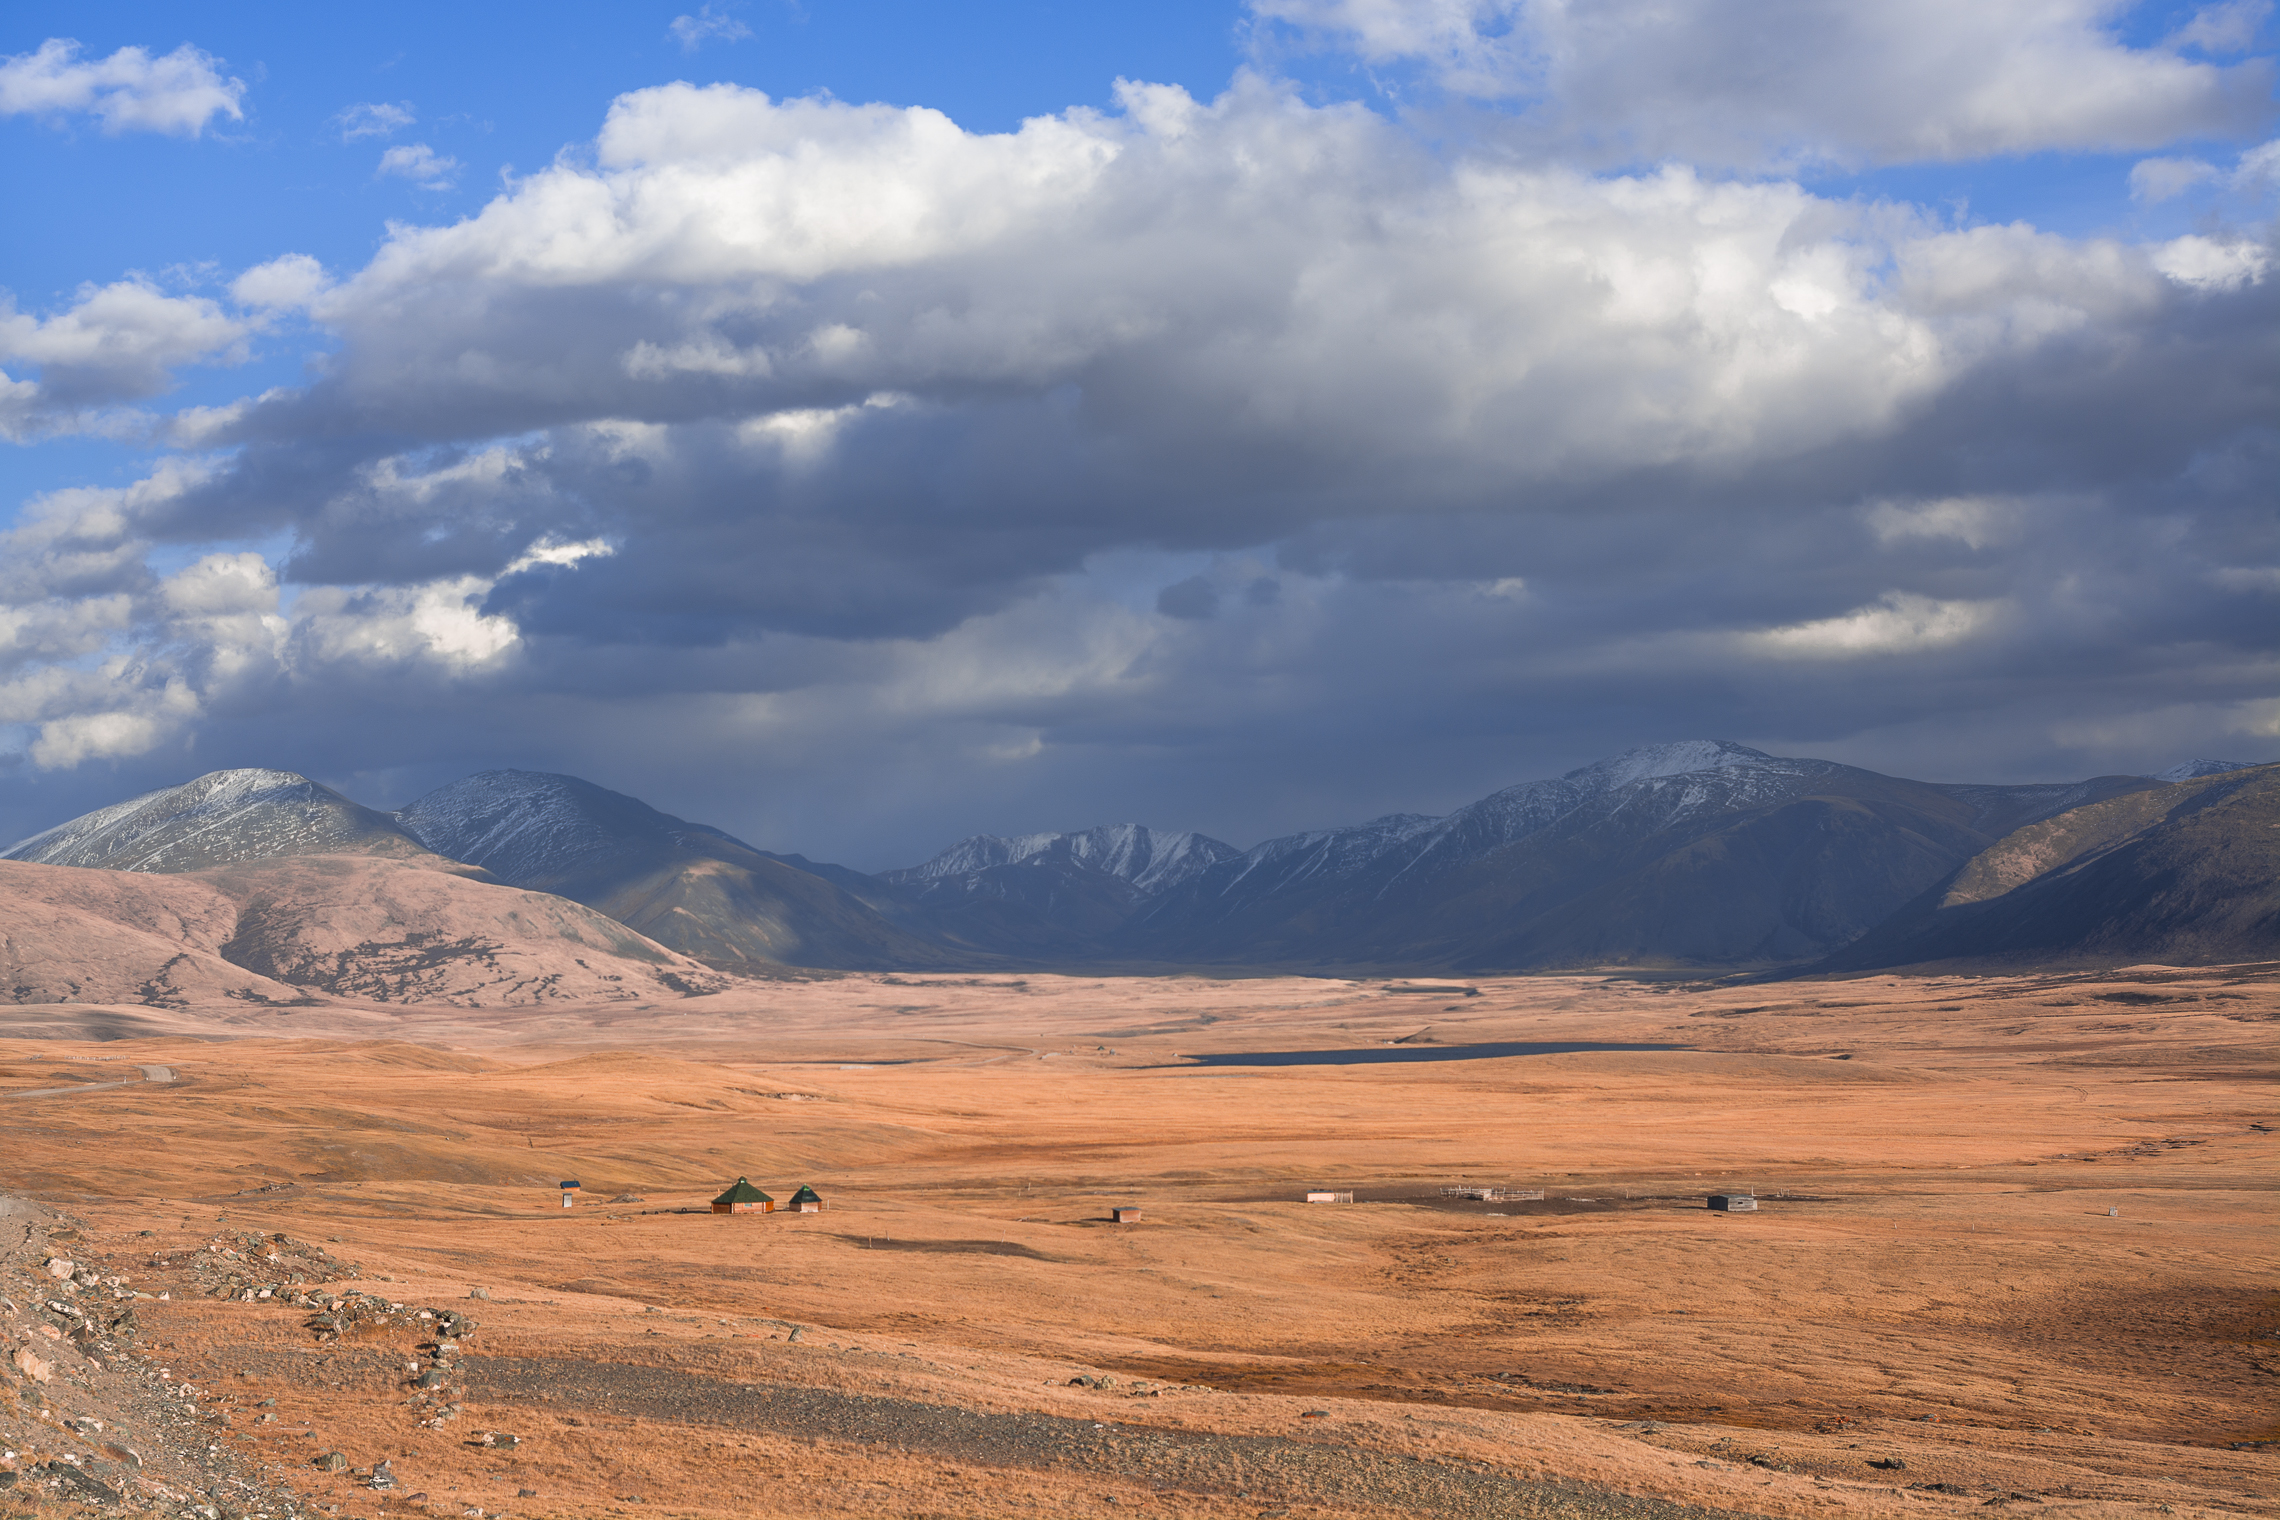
[1799, 80]
[289, 282]
[421, 163]
[117, 342]
[131, 91]
[374, 119]
[709, 24]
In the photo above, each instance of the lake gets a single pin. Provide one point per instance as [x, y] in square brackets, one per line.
[1379, 1054]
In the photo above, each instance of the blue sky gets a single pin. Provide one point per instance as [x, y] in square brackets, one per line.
[1362, 408]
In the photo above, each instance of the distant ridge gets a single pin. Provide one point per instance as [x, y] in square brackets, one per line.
[1051, 896]
[1150, 859]
[1698, 854]
[690, 887]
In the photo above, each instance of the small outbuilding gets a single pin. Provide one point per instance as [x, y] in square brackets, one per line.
[743, 1198]
[569, 1192]
[1124, 1216]
[1733, 1203]
[1324, 1195]
[805, 1201]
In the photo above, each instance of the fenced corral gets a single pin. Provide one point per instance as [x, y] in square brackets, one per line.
[1494, 1194]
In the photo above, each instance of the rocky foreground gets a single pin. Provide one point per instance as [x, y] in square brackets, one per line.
[92, 1414]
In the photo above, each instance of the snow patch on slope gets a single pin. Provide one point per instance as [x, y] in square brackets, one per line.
[2188, 770]
[218, 819]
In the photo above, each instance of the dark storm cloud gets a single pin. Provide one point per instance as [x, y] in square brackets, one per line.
[853, 481]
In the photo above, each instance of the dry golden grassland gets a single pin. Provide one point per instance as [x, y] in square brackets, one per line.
[2016, 1234]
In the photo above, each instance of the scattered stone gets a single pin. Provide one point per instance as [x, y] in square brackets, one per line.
[84, 1485]
[331, 1461]
[383, 1477]
[483, 1293]
[1889, 1464]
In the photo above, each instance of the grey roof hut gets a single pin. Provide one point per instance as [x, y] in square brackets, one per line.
[805, 1201]
[743, 1198]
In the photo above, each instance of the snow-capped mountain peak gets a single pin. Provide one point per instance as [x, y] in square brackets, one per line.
[1679, 758]
[216, 819]
[1150, 859]
[527, 826]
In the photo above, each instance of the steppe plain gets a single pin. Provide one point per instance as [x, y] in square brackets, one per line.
[2016, 1234]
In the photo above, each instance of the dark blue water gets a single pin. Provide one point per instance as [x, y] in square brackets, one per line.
[1378, 1054]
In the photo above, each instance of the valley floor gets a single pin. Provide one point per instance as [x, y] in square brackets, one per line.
[2014, 1247]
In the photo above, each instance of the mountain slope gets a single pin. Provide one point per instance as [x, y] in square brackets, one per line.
[277, 931]
[387, 931]
[2186, 874]
[220, 818]
[120, 937]
[687, 886]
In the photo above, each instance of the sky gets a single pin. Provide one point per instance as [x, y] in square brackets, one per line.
[862, 425]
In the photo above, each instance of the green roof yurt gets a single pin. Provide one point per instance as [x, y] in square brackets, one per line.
[743, 1198]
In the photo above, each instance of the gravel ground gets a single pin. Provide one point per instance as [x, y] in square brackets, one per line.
[86, 1415]
[1268, 1469]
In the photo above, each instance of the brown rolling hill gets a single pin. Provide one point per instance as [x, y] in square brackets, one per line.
[2188, 874]
[84, 936]
[359, 928]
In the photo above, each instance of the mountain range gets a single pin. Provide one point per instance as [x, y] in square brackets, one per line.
[1705, 855]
